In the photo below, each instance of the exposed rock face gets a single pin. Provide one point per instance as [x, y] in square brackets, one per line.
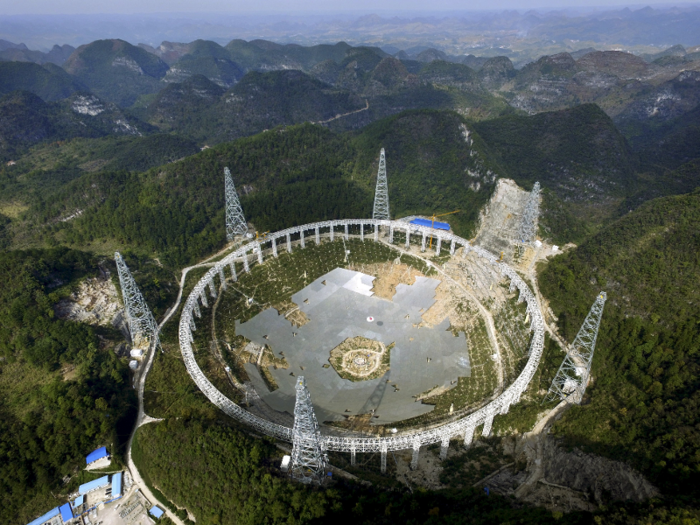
[566, 481]
[95, 302]
[128, 63]
[87, 105]
[594, 475]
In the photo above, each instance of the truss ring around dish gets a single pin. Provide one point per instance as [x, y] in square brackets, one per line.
[252, 253]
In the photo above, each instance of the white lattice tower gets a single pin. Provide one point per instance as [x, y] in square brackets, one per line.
[381, 194]
[572, 376]
[142, 324]
[308, 463]
[528, 224]
[235, 220]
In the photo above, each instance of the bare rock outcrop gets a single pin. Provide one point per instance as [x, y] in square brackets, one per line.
[94, 302]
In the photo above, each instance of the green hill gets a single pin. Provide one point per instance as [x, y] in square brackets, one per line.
[262, 55]
[642, 406]
[668, 144]
[27, 120]
[116, 71]
[576, 154]
[61, 389]
[48, 83]
[286, 176]
[200, 109]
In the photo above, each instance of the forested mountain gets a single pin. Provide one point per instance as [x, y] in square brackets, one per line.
[116, 70]
[577, 154]
[49, 83]
[61, 390]
[643, 404]
[27, 120]
[286, 176]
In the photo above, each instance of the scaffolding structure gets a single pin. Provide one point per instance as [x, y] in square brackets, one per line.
[381, 194]
[235, 220]
[528, 224]
[572, 377]
[309, 459]
[142, 325]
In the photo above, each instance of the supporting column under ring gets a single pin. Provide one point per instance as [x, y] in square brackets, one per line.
[416, 452]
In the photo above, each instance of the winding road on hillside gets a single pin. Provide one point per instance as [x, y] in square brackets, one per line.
[143, 418]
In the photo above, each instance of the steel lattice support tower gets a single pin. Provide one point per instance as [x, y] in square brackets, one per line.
[572, 376]
[381, 194]
[528, 225]
[142, 324]
[235, 220]
[308, 463]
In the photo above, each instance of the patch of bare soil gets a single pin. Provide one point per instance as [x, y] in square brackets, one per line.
[94, 302]
[291, 313]
[388, 276]
[261, 356]
[69, 372]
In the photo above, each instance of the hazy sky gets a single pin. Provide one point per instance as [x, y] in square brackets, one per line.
[260, 6]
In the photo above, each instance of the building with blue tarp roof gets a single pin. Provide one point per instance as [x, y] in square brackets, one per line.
[66, 512]
[96, 454]
[427, 222]
[46, 517]
[94, 485]
[156, 512]
[117, 485]
[79, 501]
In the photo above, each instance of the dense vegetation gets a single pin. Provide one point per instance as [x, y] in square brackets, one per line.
[285, 177]
[49, 83]
[238, 483]
[61, 392]
[644, 404]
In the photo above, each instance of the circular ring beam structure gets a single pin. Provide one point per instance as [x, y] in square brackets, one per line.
[252, 253]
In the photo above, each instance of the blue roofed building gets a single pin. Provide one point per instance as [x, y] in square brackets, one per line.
[98, 458]
[429, 223]
[46, 517]
[117, 486]
[66, 513]
[156, 512]
[94, 485]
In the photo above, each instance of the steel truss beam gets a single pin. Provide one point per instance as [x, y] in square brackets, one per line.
[528, 224]
[309, 460]
[572, 377]
[235, 220]
[381, 193]
[142, 325]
